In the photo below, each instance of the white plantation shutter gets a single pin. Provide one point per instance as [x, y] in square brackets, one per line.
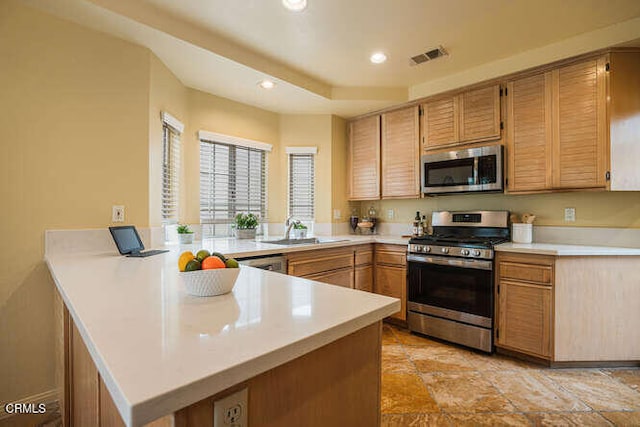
[301, 186]
[170, 173]
[232, 181]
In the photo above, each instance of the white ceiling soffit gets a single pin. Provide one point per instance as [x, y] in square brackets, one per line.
[319, 57]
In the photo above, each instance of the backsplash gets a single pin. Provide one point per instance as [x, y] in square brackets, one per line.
[593, 209]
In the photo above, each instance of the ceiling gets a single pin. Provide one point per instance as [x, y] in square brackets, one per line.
[319, 57]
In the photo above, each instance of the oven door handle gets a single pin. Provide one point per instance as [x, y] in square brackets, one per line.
[453, 262]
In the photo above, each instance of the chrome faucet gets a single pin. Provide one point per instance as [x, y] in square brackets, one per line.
[288, 225]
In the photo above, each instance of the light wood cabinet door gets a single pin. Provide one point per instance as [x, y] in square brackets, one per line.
[364, 159]
[529, 133]
[401, 154]
[363, 278]
[307, 263]
[440, 122]
[342, 277]
[480, 114]
[524, 321]
[580, 128]
[392, 281]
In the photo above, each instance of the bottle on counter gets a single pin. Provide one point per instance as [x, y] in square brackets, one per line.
[417, 227]
[425, 225]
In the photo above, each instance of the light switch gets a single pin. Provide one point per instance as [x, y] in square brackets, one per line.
[337, 214]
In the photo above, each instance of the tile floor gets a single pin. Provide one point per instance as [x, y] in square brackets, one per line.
[429, 383]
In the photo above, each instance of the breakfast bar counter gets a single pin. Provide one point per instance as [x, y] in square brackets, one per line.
[159, 351]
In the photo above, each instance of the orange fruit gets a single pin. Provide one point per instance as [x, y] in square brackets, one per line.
[185, 257]
[211, 262]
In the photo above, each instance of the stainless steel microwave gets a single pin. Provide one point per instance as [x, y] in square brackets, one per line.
[463, 171]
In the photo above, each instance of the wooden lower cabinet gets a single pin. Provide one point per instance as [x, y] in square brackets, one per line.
[525, 318]
[363, 278]
[524, 304]
[391, 275]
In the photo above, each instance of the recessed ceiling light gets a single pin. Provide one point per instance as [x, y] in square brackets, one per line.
[295, 5]
[266, 84]
[378, 58]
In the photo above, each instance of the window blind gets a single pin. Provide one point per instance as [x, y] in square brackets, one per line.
[301, 186]
[232, 181]
[170, 174]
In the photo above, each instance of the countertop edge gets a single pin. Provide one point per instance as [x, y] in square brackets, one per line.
[554, 249]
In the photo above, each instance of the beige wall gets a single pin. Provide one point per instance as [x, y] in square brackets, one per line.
[220, 115]
[74, 120]
[593, 209]
[339, 168]
[166, 93]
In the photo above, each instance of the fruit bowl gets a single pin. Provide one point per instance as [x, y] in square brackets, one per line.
[208, 283]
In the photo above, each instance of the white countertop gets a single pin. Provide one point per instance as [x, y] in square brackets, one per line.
[159, 349]
[565, 250]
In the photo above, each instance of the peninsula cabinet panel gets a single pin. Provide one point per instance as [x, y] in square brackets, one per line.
[440, 122]
[401, 154]
[364, 159]
[580, 139]
[529, 133]
[480, 114]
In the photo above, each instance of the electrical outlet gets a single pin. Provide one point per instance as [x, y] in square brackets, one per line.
[232, 411]
[570, 214]
[390, 214]
[117, 213]
[337, 214]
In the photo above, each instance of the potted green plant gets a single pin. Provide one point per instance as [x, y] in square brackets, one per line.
[245, 225]
[185, 234]
[299, 230]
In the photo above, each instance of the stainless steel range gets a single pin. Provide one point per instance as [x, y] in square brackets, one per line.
[450, 277]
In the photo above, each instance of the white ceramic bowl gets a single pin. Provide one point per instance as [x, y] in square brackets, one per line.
[208, 283]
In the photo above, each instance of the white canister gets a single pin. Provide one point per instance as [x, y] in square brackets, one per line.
[522, 233]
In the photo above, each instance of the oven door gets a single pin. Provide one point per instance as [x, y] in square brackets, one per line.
[452, 288]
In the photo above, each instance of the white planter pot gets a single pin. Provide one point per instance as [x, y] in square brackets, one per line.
[185, 238]
[248, 233]
[299, 233]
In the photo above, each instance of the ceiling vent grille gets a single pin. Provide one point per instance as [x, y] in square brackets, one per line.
[429, 55]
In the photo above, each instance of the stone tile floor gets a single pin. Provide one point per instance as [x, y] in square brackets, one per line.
[430, 383]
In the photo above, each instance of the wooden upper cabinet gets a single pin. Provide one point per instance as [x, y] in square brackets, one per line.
[364, 159]
[440, 122]
[579, 131]
[401, 153]
[470, 116]
[529, 133]
[556, 128]
[480, 114]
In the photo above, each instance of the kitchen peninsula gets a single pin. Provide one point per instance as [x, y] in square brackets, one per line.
[138, 348]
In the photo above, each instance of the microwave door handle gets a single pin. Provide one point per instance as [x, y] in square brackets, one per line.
[476, 178]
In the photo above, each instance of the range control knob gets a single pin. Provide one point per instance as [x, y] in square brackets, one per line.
[419, 248]
[464, 252]
[445, 250]
[476, 252]
[427, 249]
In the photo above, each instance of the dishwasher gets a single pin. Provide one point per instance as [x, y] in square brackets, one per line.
[276, 263]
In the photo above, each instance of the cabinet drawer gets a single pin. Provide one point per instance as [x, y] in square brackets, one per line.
[364, 257]
[391, 258]
[526, 272]
[319, 265]
[342, 277]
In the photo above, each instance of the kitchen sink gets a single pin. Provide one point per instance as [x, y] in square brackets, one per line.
[308, 241]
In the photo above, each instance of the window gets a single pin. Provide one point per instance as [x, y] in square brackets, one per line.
[301, 183]
[171, 130]
[232, 181]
